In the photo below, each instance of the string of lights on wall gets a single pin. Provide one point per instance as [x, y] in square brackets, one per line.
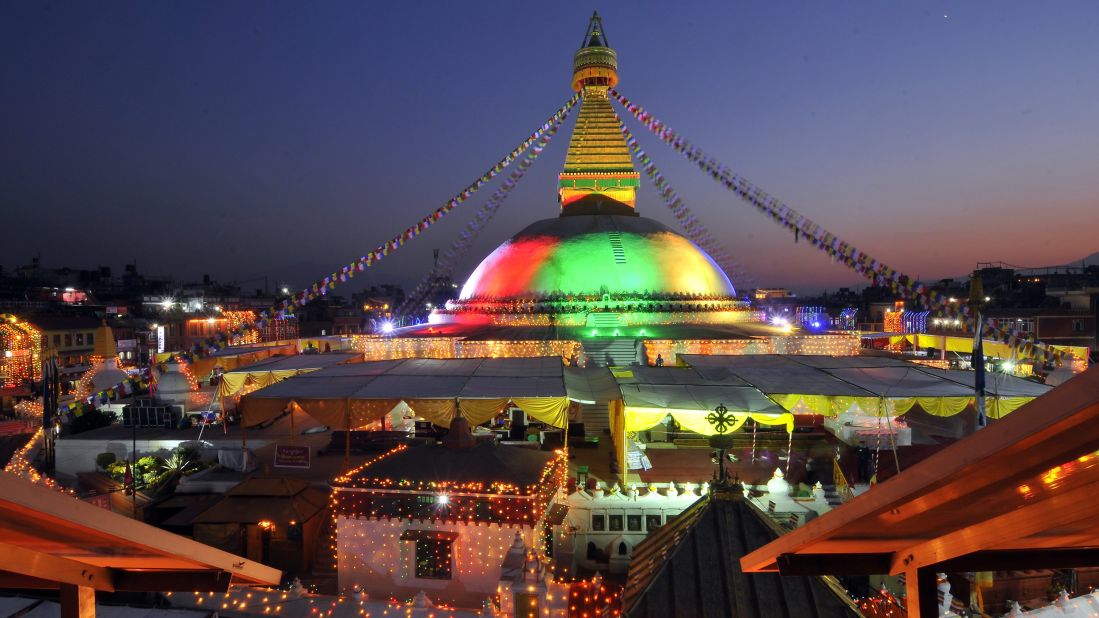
[20, 351]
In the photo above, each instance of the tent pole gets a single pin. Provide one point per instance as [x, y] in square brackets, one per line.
[293, 434]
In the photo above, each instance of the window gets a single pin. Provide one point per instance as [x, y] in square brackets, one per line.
[593, 551]
[57, 341]
[433, 559]
[68, 341]
[652, 522]
[598, 522]
[526, 605]
[79, 338]
[91, 338]
[616, 522]
[622, 549]
[633, 523]
[1077, 326]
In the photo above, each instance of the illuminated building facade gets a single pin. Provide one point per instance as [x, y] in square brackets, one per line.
[442, 521]
[20, 352]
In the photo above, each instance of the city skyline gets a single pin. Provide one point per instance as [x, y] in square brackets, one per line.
[226, 140]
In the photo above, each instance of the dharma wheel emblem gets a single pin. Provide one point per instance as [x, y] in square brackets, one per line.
[720, 418]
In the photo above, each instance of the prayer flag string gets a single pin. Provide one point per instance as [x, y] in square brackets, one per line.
[839, 250]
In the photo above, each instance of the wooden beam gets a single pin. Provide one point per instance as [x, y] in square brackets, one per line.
[15, 580]
[995, 455]
[834, 564]
[41, 504]
[1014, 560]
[77, 601]
[1060, 509]
[172, 581]
[38, 565]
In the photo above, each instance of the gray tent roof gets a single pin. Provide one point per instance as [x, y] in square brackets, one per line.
[427, 378]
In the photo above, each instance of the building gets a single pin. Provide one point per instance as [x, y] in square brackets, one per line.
[71, 338]
[441, 518]
[270, 520]
[20, 352]
[604, 525]
[691, 568]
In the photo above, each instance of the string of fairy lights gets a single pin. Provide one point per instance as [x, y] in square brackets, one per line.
[20, 351]
[838, 249]
[474, 523]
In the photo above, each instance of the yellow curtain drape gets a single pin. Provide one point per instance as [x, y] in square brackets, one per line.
[900, 405]
[640, 419]
[366, 411]
[231, 384]
[335, 412]
[943, 406]
[866, 405]
[477, 411]
[695, 420]
[438, 411]
[256, 411]
[999, 407]
[779, 418]
[551, 410]
[817, 404]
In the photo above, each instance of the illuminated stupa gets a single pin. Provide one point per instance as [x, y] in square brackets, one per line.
[599, 254]
[598, 283]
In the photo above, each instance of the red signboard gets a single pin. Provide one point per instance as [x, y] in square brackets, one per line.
[287, 456]
[103, 501]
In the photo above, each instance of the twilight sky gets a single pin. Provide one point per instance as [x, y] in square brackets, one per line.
[246, 139]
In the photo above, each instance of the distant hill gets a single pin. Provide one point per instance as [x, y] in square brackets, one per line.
[1089, 260]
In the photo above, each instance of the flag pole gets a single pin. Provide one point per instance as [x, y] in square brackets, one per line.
[979, 371]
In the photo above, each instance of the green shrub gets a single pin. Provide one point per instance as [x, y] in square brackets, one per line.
[103, 460]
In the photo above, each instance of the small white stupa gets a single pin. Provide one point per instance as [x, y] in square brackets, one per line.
[105, 373]
[172, 386]
[778, 487]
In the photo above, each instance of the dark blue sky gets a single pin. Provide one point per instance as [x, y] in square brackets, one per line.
[278, 138]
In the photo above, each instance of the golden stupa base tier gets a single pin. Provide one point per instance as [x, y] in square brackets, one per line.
[627, 196]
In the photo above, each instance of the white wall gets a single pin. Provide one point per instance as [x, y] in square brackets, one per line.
[371, 554]
[583, 504]
[78, 455]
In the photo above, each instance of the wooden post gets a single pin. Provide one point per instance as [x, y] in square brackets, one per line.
[923, 593]
[77, 601]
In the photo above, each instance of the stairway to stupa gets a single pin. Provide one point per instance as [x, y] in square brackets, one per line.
[611, 351]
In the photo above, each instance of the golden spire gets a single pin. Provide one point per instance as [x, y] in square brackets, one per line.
[598, 165]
